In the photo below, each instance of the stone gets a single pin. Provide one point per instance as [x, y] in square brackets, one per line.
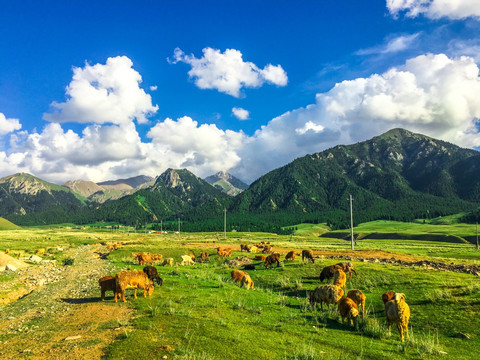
[75, 337]
[35, 258]
[10, 267]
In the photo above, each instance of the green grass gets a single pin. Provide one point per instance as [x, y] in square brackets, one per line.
[311, 229]
[202, 314]
[385, 226]
[7, 225]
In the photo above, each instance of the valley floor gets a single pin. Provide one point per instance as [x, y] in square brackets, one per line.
[199, 313]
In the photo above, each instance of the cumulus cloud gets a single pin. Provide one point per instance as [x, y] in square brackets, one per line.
[102, 94]
[203, 148]
[431, 94]
[310, 126]
[240, 113]
[227, 72]
[8, 125]
[394, 45]
[435, 9]
[153, 88]
[113, 151]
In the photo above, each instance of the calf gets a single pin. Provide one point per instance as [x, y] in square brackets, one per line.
[243, 278]
[152, 274]
[349, 310]
[107, 283]
[359, 298]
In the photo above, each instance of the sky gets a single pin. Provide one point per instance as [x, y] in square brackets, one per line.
[101, 90]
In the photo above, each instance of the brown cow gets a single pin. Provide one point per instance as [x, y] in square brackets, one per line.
[308, 254]
[132, 279]
[290, 256]
[272, 259]
[328, 272]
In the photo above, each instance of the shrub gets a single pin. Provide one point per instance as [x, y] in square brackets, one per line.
[68, 261]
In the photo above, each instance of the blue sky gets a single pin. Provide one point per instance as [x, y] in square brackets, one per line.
[102, 90]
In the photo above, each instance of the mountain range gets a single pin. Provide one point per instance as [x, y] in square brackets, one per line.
[397, 175]
[108, 190]
[227, 183]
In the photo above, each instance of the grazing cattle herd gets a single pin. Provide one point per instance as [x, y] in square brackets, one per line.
[350, 305]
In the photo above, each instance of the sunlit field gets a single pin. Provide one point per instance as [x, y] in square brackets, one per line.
[199, 313]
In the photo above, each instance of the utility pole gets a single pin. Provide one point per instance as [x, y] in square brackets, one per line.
[225, 223]
[178, 227]
[351, 218]
[161, 226]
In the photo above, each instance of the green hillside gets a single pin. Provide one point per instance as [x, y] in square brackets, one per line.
[398, 176]
[7, 225]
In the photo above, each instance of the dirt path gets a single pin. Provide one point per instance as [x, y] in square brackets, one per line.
[62, 317]
[378, 256]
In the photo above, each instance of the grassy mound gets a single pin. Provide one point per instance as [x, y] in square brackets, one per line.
[7, 225]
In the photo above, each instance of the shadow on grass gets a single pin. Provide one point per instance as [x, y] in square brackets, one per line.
[85, 300]
[334, 324]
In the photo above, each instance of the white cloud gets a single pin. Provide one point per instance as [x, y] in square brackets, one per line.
[240, 113]
[431, 94]
[204, 149]
[8, 125]
[310, 126]
[394, 45]
[227, 72]
[102, 94]
[153, 88]
[274, 75]
[435, 9]
[435, 95]
[470, 47]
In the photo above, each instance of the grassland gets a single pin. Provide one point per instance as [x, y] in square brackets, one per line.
[200, 314]
[7, 225]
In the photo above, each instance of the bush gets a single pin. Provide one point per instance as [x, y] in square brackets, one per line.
[68, 261]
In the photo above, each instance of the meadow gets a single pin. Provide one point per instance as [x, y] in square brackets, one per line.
[199, 313]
